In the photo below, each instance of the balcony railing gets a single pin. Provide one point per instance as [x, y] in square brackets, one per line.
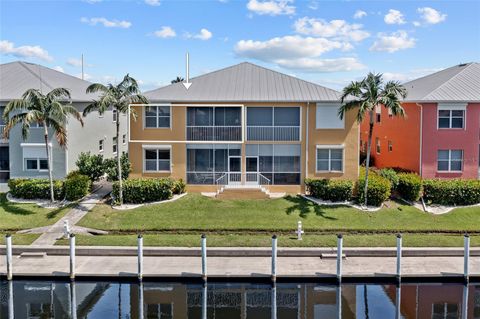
[273, 133]
[214, 133]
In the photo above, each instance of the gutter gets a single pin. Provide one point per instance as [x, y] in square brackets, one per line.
[421, 138]
[306, 140]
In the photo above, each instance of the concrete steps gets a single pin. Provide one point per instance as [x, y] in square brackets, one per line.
[242, 193]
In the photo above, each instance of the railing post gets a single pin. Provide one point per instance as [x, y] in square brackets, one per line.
[466, 259]
[274, 258]
[399, 257]
[72, 256]
[9, 255]
[204, 257]
[339, 257]
[140, 257]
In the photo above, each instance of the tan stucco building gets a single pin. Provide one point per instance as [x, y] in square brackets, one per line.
[243, 126]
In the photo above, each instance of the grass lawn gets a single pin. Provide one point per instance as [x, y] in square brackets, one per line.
[23, 216]
[196, 213]
[19, 239]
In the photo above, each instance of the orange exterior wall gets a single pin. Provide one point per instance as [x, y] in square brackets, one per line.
[404, 133]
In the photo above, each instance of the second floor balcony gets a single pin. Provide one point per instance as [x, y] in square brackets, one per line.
[214, 133]
[214, 123]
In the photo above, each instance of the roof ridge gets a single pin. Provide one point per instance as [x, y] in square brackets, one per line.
[36, 75]
[450, 79]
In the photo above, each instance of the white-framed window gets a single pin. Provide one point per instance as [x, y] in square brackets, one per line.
[449, 160]
[36, 164]
[329, 158]
[451, 116]
[377, 145]
[34, 156]
[100, 145]
[114, 115]
[157, 116]
[327, 116]
[115, 145]
[157, 158]
[124, 139]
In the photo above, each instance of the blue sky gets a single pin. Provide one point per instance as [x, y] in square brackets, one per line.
[326, 42]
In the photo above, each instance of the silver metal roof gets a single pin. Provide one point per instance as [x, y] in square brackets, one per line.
[244, 82]
[17, 77]
[460, 83]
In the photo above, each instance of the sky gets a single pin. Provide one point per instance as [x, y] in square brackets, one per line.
[326, 42]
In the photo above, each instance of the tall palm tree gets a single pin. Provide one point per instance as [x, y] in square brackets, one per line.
[118, 97]
[49, 111]
[366, 95]
[178, 79]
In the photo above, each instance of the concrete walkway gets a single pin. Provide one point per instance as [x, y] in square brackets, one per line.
[55, 231]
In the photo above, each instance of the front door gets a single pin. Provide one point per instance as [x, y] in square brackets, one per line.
[234, 170]
[252, 170]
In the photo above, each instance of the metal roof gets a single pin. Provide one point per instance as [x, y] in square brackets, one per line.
[17, 77]
[460, 83]
[244, 82]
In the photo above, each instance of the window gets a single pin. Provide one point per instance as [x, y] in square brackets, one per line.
[378, 113]
[445, 311]
[377, 145]
[34, 157]
[115, 146]
[157, 116]
[327, 117]
[100, 145]
[157, 160]
[449, 160]
[114, 115]
[329, 159]
[124, 139]
[451, 118]
[390, 146]
[36, 164]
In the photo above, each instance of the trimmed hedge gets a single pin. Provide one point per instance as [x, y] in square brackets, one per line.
[379, 190]
[333, 190]
[35, 188]
[452, 192]
[77, 186]
[143, 190]
[409, 186]
[179, 187]
[391, 175]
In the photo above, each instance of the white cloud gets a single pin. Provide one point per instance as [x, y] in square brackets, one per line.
[321, 65]
[203, 35]
[313, 4]
[271, 7]
[334, 29]
[409, 75]
[24, 51]
[153, 2]
[430, 16]
[107, 23]
[58, 68]
[394, 17]
[393, 42]
[359, 14]
[165, 32]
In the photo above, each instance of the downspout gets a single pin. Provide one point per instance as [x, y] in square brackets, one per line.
[421, 137]
[306, 140]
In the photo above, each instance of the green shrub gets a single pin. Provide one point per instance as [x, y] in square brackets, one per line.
[391, 175]
[333, 190]
[179, 187]
[137, 191]
[379, 190]
[409, 186]
[452, 192]
[77, 186]
[91, 165]
[110, 167]
[35, 188]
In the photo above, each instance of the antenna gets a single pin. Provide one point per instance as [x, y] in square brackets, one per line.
[82, 67]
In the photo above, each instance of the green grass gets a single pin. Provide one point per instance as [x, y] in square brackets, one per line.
[19, 239]
[193, 240]
[15, 216]
[195, 212]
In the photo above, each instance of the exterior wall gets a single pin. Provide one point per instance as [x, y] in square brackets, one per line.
[404, 133]
[467, 139]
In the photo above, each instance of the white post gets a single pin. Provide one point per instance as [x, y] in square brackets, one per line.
[339, 302]
[399, 257]
[466, 254]
[8, 240]
[465, 302]
[204, 301]
[140, 300]
[73, 301]
[10, 300]
[398, 302]
[274, 302]
[66, 229]
[72, 256]
[140, 257]
[204, 257]
[274, 258]
[339, 257]
[299, 230]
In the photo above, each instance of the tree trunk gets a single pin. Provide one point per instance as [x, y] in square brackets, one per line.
[367, 162]
[119, 164]
[49, 160]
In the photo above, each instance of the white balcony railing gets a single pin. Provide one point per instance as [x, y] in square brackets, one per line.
[214, 133]
[273, 133]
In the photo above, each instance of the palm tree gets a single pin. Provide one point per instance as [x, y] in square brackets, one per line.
[48, 111]
[177, 80]
[119, 97]
[366, 95]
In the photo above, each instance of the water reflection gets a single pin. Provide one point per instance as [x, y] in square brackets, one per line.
[22, 299]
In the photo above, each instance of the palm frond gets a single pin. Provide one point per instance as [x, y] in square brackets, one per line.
[59, 94]
[345, 107]
[96, 87]
[354, 89]
[12, 106]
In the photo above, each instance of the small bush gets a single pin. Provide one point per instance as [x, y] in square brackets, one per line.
[333, 190]
[35, 188]
[91, 165]
[379, 190]
[452, 192]
[110, 167]
[409, 186]
[77, 186]
[391, 175]
[179, 187]
[137, 191]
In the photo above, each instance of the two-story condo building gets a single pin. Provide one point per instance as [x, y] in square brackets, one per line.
[440, 136]
[27, 158]
[244, 126]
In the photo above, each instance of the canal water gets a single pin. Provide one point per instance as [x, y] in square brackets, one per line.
[22, 299]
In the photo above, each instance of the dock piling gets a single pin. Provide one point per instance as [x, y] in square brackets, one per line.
[274, 258]
[399, 257]
[339, 257]
[8, 240]
[204, 257]
[466, 258]
[140, 257]
[72, 256]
